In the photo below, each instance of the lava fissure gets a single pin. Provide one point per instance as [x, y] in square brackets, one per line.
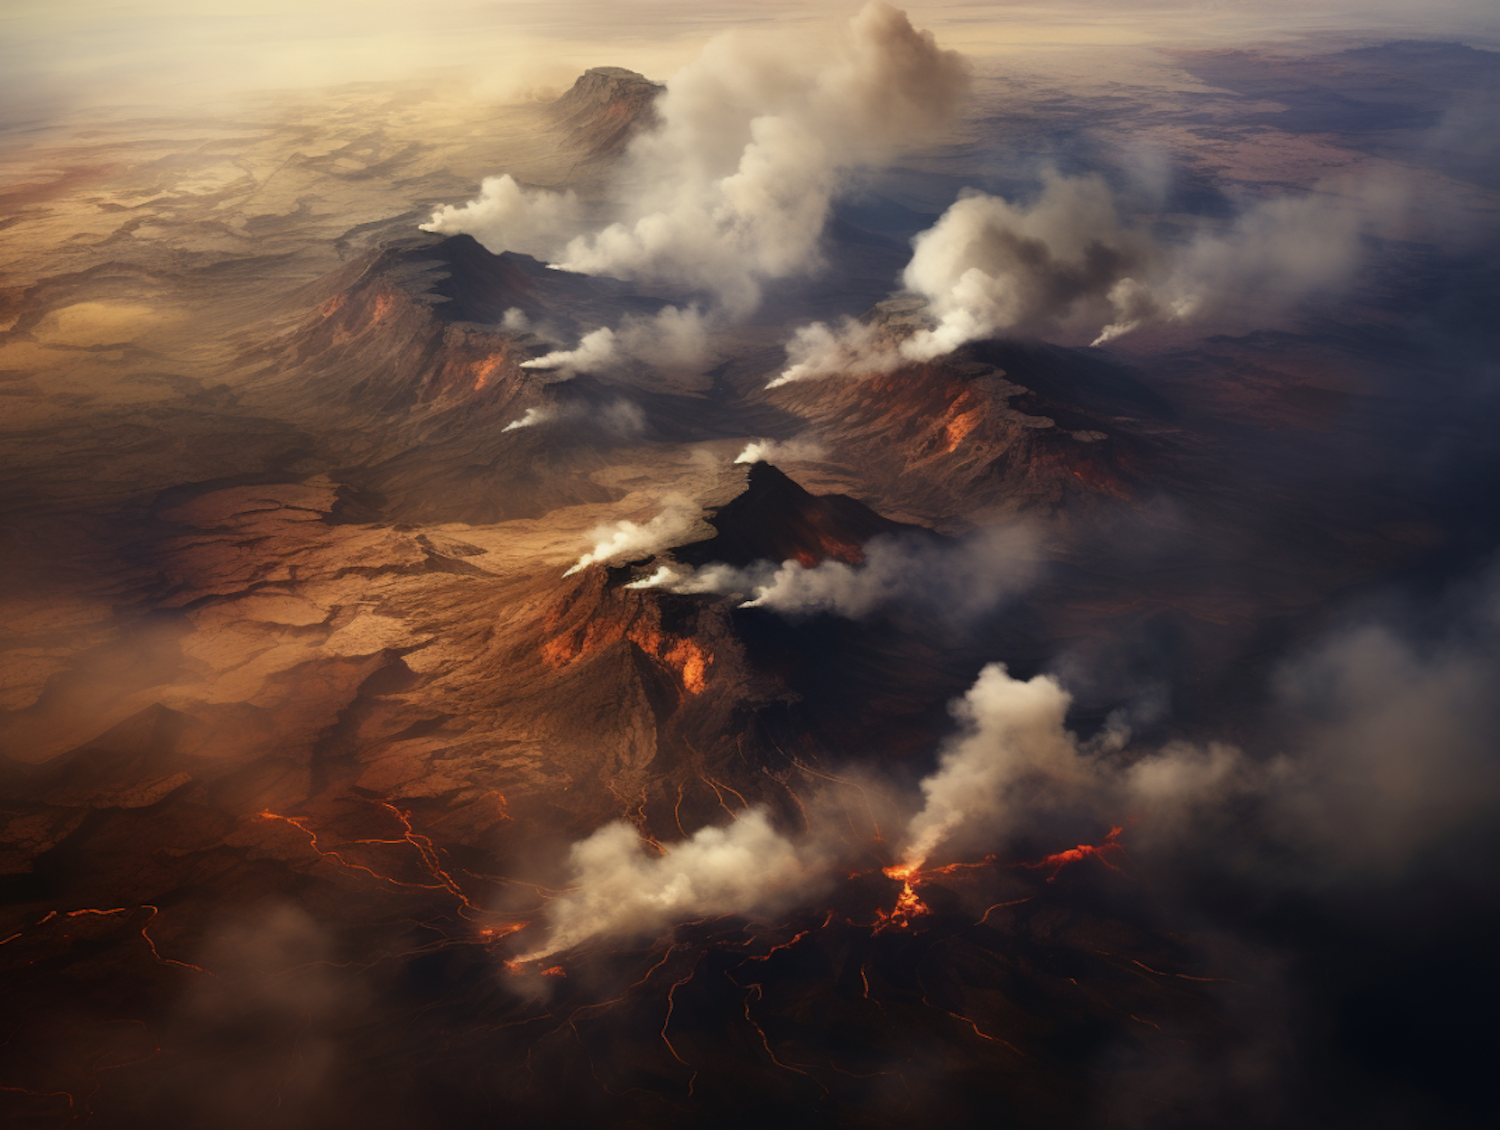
[1101, 852]
[667, 1020]
[757, 991]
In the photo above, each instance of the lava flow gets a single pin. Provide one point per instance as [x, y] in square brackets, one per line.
[1101, 851]
[909, 904]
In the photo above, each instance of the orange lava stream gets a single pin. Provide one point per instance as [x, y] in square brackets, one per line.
[426, 851]
[671, 1004]
[755, 990]
[1101, 851]
[108, 912]
[909, 904]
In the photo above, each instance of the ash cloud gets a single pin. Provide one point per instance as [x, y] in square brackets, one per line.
[1397, 739]
[733, 187]
[1068, 267]
[954, 581]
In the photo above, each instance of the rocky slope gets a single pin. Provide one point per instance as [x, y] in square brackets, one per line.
[605, 108]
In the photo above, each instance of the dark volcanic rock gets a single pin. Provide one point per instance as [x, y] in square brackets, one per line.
[777, 520]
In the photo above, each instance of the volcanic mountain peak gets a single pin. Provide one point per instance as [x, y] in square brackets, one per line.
[775, 519]
[993, 429]
[465, 282]
[606, 107]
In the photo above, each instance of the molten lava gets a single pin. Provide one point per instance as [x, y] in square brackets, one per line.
[909, 904]
[1102, 851]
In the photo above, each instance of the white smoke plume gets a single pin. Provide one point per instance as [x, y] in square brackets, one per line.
[618, 417]
[594, 352]
[531, 419]
[671, 338]
[951, 581]
[627, 540]
[1013, 764]
[506, 217]
[1067, 266]
[1389, 750]
[855, 348]
[622, 886]
[733, 187]
[766, 450]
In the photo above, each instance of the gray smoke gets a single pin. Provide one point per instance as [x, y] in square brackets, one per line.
[954, 581]
[620, 885]
[671, 338]
[733, 187]
[1068, 267]
[617, 417]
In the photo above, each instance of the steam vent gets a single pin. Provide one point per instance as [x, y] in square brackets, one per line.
[887, 575]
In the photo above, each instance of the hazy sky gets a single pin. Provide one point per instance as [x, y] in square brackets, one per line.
[56, 53]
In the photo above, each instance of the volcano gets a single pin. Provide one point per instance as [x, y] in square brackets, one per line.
[395, 732]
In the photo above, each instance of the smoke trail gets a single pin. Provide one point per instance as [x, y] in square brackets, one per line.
[627, 540]
[765, 450]
[619, 418]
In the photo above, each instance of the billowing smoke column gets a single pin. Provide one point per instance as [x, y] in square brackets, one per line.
[1012, 731]
[621, 885]
[733, 187]
[1067, 266]
[954, 581]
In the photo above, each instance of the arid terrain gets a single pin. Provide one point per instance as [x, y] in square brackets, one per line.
[443, 689]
